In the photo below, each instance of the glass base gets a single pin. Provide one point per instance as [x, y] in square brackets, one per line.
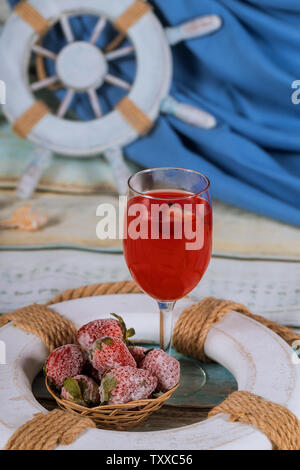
[192, 379]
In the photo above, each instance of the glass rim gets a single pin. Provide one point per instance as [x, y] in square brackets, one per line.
[186, 170]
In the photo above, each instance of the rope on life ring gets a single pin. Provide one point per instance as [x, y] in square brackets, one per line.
[279, 424]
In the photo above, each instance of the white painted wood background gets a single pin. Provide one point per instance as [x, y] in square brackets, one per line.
[269, 288]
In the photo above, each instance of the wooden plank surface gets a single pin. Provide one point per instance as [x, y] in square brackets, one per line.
[269, 288]
[237, 233]
[241, 233]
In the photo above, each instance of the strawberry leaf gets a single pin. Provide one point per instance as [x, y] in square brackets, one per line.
[121, 322]
[130, 333]
[108, 341]
[108, 384]
[73, 388]
[126, 333]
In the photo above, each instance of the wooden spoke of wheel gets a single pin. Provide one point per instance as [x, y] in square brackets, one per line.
[65, 24]
[43, 52]
[65, 104]
[115, 42]
[117, 82]
[95, 102]
[43, 83]
[100, 25]
[118, 53]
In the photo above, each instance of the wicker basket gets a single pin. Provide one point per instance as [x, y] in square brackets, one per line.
[117, 417]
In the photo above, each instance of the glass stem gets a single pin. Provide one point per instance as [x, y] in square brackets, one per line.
[166, 325]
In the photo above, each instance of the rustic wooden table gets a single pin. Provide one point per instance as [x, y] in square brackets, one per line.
[256, 261]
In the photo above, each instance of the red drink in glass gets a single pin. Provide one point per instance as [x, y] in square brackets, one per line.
[163, 267]
[168, 236]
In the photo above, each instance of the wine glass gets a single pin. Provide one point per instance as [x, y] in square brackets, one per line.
[168, 236]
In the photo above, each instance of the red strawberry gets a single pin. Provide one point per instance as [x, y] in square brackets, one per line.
[65, 361]
[90, 371]
[110, 352]
[96, 329]
[124, 384]
[81, 389]
[166, 368]
[138, 353]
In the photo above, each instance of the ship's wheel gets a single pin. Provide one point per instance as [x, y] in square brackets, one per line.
[83, 67]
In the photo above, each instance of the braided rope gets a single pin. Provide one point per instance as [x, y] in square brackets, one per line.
[194, 323]
[275, 421]
[53, 329]
[106, 288]
[58, 427]
[45, 432]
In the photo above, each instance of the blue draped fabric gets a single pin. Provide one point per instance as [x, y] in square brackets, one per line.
[242, 74]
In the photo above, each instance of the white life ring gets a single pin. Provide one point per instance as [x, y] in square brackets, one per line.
[261, 362]
[74, 138]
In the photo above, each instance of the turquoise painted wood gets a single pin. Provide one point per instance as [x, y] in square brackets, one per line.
[61, 174]
[219, 384]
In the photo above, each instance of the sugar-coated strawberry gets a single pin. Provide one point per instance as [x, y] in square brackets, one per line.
[110, 352]
[96, 329]
[166, 368]
[90, 371]
[124, 384]
[65, 361]
[81, 389]
[115, 328]
[138, 353]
